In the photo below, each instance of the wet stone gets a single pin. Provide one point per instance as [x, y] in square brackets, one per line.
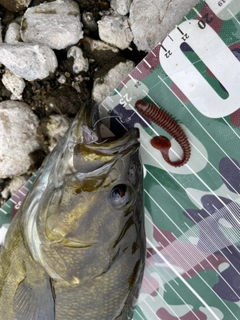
[56, 24]
[50, 131]
[152, 20]
[103, 86]
[15, 5]
[18, 137]
[115, 30]
[29, 61]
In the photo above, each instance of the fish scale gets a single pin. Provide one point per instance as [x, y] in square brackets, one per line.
[194, 74]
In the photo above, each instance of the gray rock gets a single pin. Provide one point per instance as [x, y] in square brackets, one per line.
[50, 131]
[15, 5]
[121, 6]
[97, 45]
[28, 61]
[56, 24]
[16, 183]
[103, 86]
[17, 137]
[13, 33]
[115, 30]
[152, 20]
[80, 63]
[14, 84]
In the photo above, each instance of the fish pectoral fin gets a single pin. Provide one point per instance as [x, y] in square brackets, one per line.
[34, 301]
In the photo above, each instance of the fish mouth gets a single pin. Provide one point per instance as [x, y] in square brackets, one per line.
[91, 151]
[87, 132]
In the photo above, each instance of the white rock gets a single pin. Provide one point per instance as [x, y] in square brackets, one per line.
[56, 24]
[16, 183]
[13, 33]
[80, 63]
[56, 128]
[121, 6]
[62, 79]
[152, 20]
[114, 29]
[28, 61]
[5, 194]
[99, 45]
[17, 137]
[3, 232]
[15, 5]
[14, 84]
[103, 86]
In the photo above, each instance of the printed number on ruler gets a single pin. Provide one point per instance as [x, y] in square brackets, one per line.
[130, 94]
[224, 9]
[18, 205]
[195, 39]
[125, 99]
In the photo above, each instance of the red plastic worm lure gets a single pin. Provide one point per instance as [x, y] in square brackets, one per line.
[165, 121]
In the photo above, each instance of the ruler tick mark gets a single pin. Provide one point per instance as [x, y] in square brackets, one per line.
[180, 30]
[153, 54]
[147, 63]
[5, 212]
[117, 92]
[170, 37]
[164, 48]
[138, 70]
[124, 84]
[110, 98]
[233, 16]
[197, 12]
[134, 80]
[24, 194]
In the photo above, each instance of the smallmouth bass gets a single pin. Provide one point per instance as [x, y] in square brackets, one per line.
[76, 248]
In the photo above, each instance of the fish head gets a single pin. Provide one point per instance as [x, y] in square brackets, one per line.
[99, 194]
[92, 204]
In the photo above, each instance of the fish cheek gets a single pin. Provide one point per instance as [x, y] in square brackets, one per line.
[78, 215]
[84, 240]
[70, 213]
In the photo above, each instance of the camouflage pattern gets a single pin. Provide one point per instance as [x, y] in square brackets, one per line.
[192, 212]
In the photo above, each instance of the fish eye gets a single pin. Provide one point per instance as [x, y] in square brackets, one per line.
[119, 195]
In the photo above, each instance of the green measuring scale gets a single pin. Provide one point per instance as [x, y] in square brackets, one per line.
[192, 212]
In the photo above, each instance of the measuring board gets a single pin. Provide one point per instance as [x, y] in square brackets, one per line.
[192, 212]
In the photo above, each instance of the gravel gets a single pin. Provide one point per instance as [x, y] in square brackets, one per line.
[54, 55]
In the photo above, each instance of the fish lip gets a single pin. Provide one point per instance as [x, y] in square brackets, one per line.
[118, 145]
[87, 132]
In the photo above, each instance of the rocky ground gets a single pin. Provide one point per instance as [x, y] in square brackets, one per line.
[54, 55]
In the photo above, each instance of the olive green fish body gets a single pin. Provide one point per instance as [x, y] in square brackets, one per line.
[76, 248]
[20, 277]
